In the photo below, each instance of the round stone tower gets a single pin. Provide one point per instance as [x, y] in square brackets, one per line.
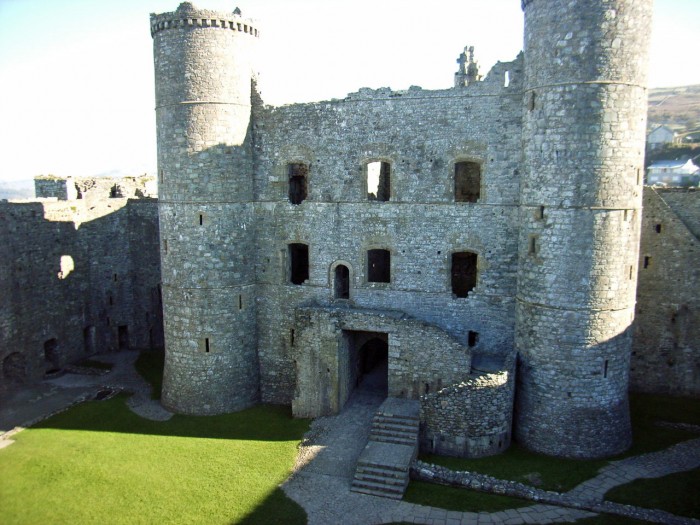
[203, 76]
[584, 122]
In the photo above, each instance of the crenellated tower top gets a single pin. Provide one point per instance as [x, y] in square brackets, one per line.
[187, 15]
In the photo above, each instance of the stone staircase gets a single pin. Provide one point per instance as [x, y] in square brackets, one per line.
[383, 466]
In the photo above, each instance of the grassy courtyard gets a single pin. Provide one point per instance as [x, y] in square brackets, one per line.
[100, 463]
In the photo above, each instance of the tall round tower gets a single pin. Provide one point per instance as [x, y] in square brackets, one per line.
[584, 122]
[203, 75]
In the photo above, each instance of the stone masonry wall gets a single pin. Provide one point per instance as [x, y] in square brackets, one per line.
[666, 347]
[421, 134]
[76, 281]
[421, 357]
[472, 418]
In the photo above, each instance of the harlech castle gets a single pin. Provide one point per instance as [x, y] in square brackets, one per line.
[475, 248]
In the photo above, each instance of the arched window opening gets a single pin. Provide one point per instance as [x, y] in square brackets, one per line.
[467, 181]
[464, 266]
[378, 181]
[298, 263]
[378, 266]
[298, 173]
[341, 282]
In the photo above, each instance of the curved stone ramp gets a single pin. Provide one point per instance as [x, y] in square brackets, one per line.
[323, 488]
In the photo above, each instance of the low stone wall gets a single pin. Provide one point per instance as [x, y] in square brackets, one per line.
[472, 418]
[483, 483]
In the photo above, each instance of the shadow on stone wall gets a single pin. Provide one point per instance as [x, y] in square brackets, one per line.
[72, 289]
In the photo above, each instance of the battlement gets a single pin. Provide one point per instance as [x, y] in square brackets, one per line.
[187, 16]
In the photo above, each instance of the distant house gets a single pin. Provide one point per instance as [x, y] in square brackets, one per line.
[673, 173]
[659, 136]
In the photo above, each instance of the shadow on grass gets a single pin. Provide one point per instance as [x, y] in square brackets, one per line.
[259, 423]
[276, 509]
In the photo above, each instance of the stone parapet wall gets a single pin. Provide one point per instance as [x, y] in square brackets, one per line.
[472, 418]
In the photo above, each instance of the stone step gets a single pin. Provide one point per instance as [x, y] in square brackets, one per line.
[380, 466]
[392, 429]
[372, 492]
[379, 489]
[413, 429]
[409, 420]
[380, 472]
[390, 481]
[394, 440]
[392, 423]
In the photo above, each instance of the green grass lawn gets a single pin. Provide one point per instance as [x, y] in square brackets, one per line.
[453, 498]
[100, 463]
[677, 493]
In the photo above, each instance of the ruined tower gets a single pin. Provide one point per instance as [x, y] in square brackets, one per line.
[203, 76]
[583, 142]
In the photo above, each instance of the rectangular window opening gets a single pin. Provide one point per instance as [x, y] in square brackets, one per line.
[291, 336]
[657, 228]
[378, 266]
[206, 345]
[647, 261]
[298, 263]
[298, 173]
[472, 338]
[240, 302]
[378, 181]
[605, 369]
[201, 219]
[464, 273]
[467, 181]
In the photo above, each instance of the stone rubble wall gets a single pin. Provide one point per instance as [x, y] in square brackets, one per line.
[472, 418]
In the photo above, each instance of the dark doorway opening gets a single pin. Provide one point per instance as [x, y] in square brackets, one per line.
[52, 354]
[367, 368]
[123, 334]
[341, 282]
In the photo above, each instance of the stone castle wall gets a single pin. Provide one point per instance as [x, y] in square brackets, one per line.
[421, 134]
[76, 281]
[666, 348]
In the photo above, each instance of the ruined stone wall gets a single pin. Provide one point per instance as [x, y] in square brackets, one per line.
[72, 288]
[421, 134]
[472, 418]
[421, 357]
[666, 347]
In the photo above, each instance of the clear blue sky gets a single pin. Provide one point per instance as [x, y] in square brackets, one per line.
[76, 79]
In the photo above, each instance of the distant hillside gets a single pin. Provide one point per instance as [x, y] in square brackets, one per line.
[18, 189]
[677, 107]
